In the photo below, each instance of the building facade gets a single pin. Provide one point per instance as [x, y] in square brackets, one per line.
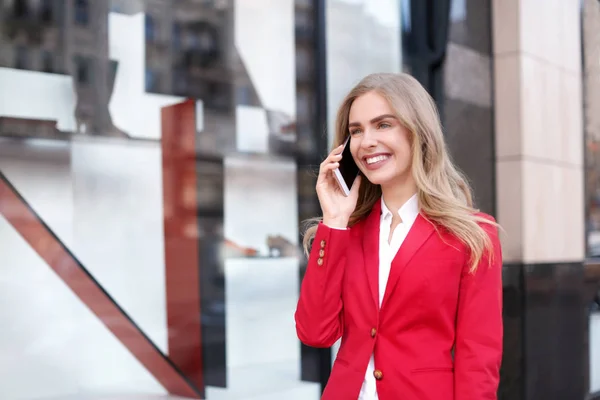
[540, 170]
[158, 157]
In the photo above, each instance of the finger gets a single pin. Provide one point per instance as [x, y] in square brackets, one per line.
[330, 160]
[326, 172]
[335, 152]
[332, 157]
[331, 166]
[337, 149]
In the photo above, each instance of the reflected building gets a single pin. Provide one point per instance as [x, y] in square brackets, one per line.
[190, 52]
[67, 38]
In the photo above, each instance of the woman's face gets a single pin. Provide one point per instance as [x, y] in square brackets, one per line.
[379, 144]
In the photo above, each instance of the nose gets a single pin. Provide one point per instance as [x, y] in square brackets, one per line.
[368, 139]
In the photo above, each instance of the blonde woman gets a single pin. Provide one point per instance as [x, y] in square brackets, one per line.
[404, 270]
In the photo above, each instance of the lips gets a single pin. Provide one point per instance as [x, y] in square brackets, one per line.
[375, 161]
[375, 158]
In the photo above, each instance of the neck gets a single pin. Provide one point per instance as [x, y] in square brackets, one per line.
[395, 195]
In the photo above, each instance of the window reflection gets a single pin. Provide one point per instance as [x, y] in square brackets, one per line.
[350, 51]
[47, 62]
[20, 8]
[22, 57]
[83, 67]
[82, 12]
[176, 35]
[149, 25]
[180, 138]
[46, 11]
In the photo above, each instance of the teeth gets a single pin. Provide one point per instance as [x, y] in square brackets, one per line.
[376, 159]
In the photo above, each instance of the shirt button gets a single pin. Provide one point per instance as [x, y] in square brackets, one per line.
[320, 262]
[378, 374]
[373, 332]
[322, 243]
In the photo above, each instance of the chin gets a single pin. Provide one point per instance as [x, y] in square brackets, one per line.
[387, 177]
[379, 178]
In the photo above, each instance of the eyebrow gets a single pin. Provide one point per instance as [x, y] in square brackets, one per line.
[374, 120]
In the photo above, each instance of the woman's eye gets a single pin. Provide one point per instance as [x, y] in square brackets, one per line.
[354, 132]
[384, 125]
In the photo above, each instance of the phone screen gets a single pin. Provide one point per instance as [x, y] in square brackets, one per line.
[348, 168]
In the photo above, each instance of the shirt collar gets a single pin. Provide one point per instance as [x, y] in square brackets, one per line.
[408, 212]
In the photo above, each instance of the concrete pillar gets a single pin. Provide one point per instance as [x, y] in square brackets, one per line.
[540, 196]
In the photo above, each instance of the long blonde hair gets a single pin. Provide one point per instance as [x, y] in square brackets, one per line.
[445, 197]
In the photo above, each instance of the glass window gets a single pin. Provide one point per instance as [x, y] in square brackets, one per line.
[47, 61]
[83, 69]
[157, 250]
[176, 35]
[20, 8]
[82, 11]
[353, 27]
[21, 57]
[46, 10]
[150, 28]
[150, 79]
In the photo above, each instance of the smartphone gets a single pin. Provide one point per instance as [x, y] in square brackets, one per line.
[347, 171]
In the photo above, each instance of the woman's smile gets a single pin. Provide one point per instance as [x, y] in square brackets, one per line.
[376, 161]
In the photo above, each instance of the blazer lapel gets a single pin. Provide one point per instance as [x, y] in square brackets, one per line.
[371, 250]
[417, 236]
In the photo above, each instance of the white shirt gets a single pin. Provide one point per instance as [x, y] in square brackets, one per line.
[387, 251]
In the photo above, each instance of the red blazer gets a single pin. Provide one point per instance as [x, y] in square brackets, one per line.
[432, 307]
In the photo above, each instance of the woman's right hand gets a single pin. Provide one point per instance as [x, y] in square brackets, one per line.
[336, 206]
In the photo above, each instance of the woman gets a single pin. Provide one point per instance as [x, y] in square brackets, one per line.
[403, 269]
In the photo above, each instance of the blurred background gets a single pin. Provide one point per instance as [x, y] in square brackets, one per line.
[158, 157]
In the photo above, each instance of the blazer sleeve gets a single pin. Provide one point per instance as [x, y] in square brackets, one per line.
[479, 327]
[319, 311]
